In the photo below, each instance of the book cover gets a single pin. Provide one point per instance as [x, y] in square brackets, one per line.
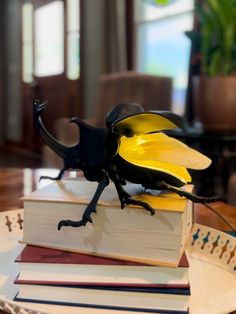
[129, 234]
[105, 299]
[37, 254]
[57, 267]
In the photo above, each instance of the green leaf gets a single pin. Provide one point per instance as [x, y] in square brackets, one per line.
[214, 67]
[162, 2]
[217, 20]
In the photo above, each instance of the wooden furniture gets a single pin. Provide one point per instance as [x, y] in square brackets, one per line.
[151, 91]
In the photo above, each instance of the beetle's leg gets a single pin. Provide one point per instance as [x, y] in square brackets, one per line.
[60, 175]
[191, 196]
[199, 199]
[124, 197]
[130, 201]
[91, 208]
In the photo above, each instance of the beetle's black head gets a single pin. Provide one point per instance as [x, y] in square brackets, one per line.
[122, 110]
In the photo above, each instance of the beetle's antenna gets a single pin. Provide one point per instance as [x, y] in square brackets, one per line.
[220, 216]
[198, 199]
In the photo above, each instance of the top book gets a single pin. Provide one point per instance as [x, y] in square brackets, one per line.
[128, 234]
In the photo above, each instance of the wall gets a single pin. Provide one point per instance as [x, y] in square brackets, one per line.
[13, 80]
[93, 54]
[2, 71]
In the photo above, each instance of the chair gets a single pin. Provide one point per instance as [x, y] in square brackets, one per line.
[150, 91]
[231, 190]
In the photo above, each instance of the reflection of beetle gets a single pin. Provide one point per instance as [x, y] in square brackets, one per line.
[131, 148]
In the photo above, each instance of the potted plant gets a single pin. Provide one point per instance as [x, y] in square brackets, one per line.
[214, 90]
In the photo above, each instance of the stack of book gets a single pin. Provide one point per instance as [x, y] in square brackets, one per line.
[126, 259]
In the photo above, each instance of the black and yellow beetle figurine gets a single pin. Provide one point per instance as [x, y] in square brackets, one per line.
[130, 148]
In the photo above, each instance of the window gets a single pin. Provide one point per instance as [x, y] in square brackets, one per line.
[161, 45]
[49, 39]
[43, 44]
[73, 55]
[27, 42]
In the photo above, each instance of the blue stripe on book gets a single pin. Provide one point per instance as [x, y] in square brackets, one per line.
[107, 307]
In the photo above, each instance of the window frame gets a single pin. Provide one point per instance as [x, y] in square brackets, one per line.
[140, 22]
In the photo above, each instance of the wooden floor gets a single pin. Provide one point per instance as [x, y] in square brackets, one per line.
[19, 159]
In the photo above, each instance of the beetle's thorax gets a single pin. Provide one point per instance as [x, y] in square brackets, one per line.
[97, 145]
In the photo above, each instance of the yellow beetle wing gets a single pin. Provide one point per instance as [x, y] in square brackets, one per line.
[162, 148]
[143, 123]
[131, 154]
[160, 152]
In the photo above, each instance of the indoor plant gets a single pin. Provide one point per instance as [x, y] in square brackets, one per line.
[214, 90]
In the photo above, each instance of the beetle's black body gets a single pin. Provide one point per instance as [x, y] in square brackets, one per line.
[97, 155]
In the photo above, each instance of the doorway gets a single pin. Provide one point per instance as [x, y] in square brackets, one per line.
[50, 62]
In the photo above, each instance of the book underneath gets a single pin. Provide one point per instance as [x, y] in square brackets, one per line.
[56, 267]
[130, 234]
[104, 298]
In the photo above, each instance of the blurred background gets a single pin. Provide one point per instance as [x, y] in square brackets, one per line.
[56, 51]
[84, 56]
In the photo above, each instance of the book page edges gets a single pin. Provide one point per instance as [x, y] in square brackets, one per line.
[130, 258]
[164, 201]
